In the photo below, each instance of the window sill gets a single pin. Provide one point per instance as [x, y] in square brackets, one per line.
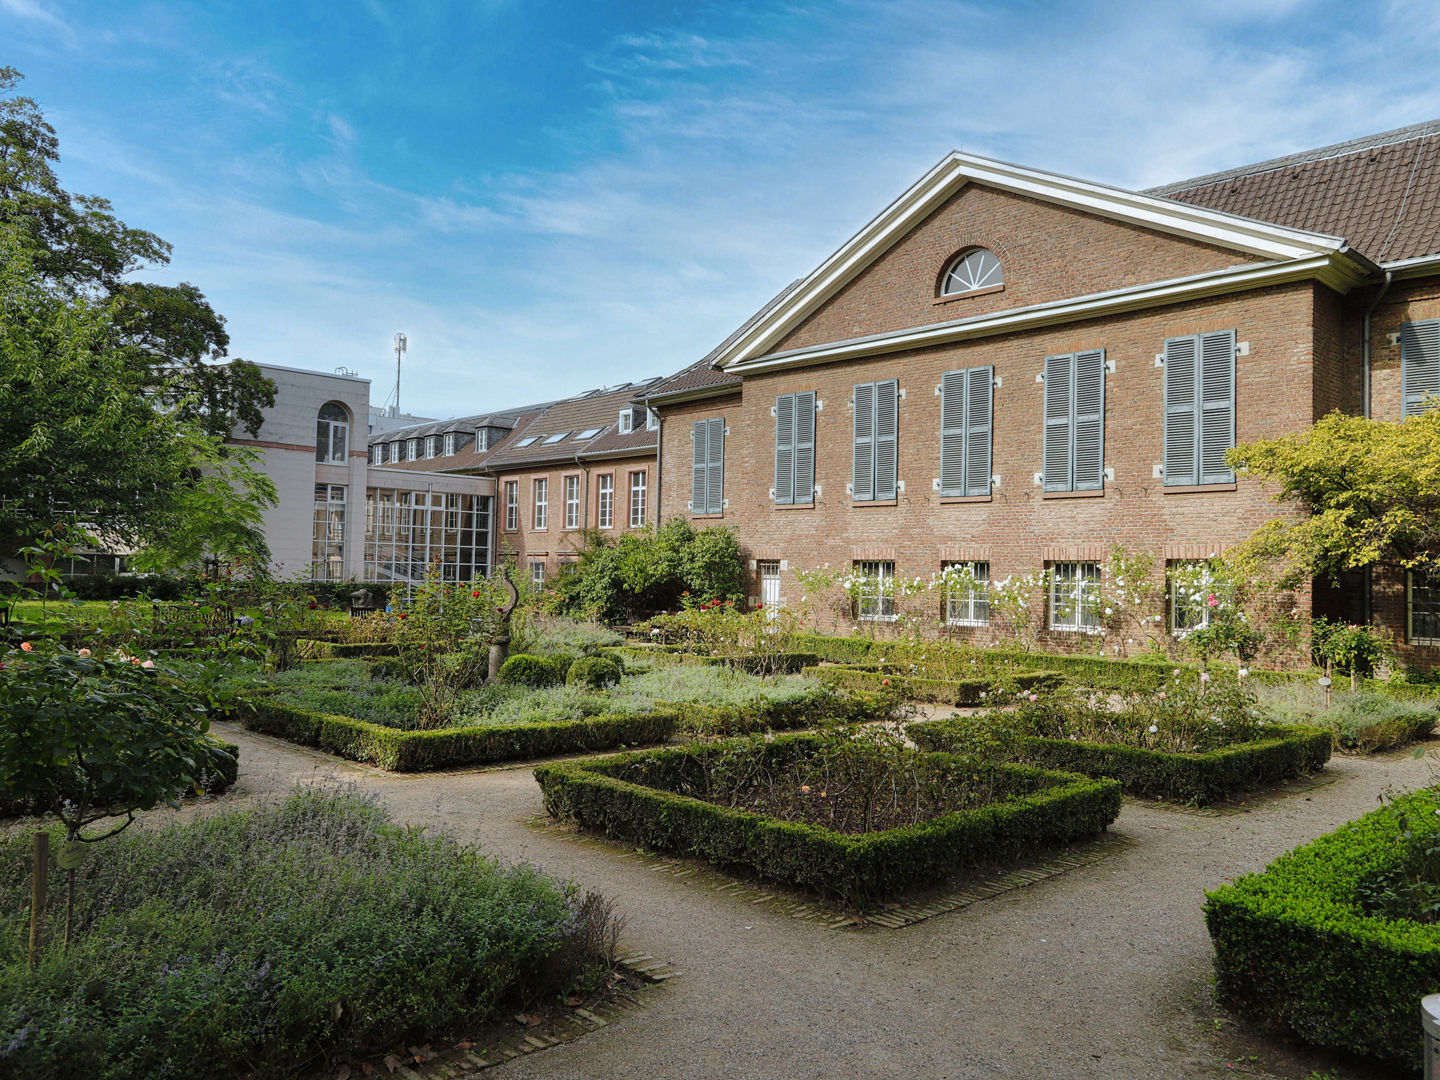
[1088, 631]
[952, 297]
[795, 506]
[857, 503]
[878, 618]
[962, 500]
[965, 622]
[708, 517]
[1197, 489]
[1424, 642]
[1097, 494]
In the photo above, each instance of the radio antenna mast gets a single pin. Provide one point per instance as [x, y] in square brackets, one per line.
[401, 343]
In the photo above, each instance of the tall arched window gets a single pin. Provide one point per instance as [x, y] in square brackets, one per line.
[975, 269]
[332, 433]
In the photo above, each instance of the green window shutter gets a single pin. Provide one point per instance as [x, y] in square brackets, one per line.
[715, 466]
[862, 474]
[785, 449]
[1216, 394]
[953, 432]
[1059, 429]
[1089, 424]
[1182, 428]
[805, 447]
[1419, 365]
[699, 455]
[887, 425]
[979, 425]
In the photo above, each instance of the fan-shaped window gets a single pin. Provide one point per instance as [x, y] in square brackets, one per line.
[977, 269]
[332, 433]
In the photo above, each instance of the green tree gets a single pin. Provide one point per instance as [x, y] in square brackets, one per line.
[79, 249]
[1370, 490]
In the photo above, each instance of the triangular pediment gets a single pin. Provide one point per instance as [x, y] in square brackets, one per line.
[1235, 244]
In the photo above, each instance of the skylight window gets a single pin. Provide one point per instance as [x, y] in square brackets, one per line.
[527, 441]
[588, 433]
[557, 438]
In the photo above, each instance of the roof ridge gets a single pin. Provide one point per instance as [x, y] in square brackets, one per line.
[1393, 137]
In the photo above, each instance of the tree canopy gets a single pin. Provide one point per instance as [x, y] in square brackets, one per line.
[1370, 489]
[80, 249]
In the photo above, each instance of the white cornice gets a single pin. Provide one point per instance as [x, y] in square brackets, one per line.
[1338, 271]
[1262, 239]
[1420, 266]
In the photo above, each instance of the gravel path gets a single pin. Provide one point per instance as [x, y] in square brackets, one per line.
[1103, 972]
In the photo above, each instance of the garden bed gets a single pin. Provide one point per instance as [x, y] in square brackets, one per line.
[960, 812]
[1333, 941]
[976, 691]
[439, 748]
[1188, 777]
[260, 941]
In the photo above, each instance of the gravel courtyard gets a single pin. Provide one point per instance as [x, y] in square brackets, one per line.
[1102, 972]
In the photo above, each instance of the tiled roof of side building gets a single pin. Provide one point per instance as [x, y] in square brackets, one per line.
[1381, 192]
[560, 432]
[466, 458]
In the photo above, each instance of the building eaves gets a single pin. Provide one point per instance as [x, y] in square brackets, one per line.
[593, 409]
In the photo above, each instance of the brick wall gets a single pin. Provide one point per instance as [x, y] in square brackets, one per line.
[1047, 252]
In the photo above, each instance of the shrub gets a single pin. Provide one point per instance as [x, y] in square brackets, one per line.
[248, 941]
[1296, 948]
[979, 691]
[596, 672]
[1365, 721]
[651, 798]
[535, 672]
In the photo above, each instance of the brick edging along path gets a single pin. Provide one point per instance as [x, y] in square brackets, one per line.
[1101, 971]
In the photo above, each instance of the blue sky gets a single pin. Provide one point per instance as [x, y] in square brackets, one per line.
[552, 196]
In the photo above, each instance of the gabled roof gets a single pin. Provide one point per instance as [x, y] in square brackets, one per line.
[1274, 243]
[1382, 192]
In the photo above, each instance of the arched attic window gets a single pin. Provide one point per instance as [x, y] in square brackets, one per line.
[332, 433]
[972, 271]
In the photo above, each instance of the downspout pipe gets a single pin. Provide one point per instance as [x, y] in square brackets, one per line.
[1365, 343]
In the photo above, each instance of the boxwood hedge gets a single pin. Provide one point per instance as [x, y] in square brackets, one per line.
[414, 751]
[315, 649]
[626, 796]
[1156, 774]
[1294, 949]
[822, 706]
[913, 688]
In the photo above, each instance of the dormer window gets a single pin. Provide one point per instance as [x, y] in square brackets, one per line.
[652, 420]
[626, 418]
[449, 443]
[975, 270]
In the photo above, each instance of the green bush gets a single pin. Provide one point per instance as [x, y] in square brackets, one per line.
[1296, 949]
[312, 649]
[535, 672]
[633, 796]
[1154, 774]
[438, 748]
[1365, 721]
[982, 691]
[596, 672]
[249, 941]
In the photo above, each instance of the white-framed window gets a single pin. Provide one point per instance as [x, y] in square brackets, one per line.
[332, 433]
[625, 421]
[652, 420]
[327, 547]
[605, 500]
[394, 453]
[412, 449]
[1422, 608]
[637, 500]
[974, 270]
[572, 502]
[432, 446]
[1075, 596]
[768, 570]
[1191, 587]
[512, 505]
[482, 440]
[967, 597]
[537, 571]
[540, 517]
[449, 443]
[377, 454]
[875, 601]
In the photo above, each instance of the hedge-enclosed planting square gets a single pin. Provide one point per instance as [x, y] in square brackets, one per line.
[819, 812]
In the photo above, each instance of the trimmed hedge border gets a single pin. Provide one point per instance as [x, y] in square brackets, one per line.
[913, 688]
[318, 649]
[861, 869]
[1156, 774]
[856, 707]
[415, 751]
[1294, 949]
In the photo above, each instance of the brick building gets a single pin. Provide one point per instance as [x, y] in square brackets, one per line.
[1013, 370]
[558, 469]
